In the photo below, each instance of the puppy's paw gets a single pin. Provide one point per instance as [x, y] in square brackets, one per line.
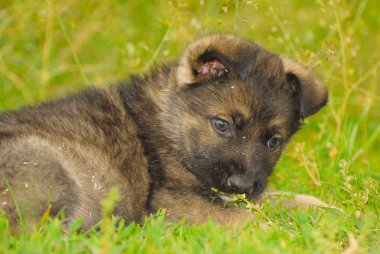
[293, 201]
[304, 202]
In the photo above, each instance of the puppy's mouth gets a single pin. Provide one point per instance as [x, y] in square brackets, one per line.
[233, 179]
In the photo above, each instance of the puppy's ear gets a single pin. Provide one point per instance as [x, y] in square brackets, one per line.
[312, 93]
[216, 57]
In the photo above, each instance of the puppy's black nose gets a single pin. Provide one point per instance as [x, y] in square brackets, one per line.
[241, 183]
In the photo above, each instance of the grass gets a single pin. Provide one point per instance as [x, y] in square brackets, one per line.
[51, 48]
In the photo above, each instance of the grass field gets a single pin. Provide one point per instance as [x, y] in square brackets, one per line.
[51, 48]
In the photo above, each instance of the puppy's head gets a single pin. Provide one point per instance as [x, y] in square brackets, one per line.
[233, 108]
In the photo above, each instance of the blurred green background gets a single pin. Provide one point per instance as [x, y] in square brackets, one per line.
[51, 48]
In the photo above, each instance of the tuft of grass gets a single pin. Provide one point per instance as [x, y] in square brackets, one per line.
[51, 48]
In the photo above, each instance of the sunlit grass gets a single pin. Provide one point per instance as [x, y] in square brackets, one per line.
[51, 48]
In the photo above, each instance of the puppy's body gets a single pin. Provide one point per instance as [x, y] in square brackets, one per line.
[219, 117]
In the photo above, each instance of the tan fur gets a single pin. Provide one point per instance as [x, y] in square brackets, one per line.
[180, 205]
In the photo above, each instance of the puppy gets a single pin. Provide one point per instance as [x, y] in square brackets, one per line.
[219, 117]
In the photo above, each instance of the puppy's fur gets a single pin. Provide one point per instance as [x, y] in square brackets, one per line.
[219, 117]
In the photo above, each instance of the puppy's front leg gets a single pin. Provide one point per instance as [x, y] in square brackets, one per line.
[197, 209]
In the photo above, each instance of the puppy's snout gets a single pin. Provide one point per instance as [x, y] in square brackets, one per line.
[242, 183]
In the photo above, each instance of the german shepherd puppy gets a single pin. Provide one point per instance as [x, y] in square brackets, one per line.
[219, 117]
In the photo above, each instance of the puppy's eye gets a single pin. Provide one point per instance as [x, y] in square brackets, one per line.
[273, 142]
[220, 125]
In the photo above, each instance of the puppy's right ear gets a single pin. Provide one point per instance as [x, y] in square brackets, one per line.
[216, 58]
[313, 94]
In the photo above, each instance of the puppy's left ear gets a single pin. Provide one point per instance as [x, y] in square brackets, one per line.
[312, 93]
